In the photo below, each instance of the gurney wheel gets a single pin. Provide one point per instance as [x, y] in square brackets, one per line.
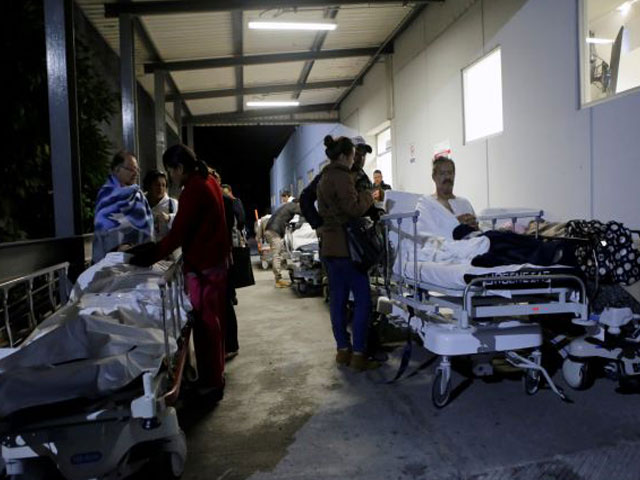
[440, 393]
[576, 374]
[301, 288]
[531, 381]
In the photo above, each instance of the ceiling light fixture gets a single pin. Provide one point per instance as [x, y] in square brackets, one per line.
[599, 41]
[291, 103]
[291, 26]
[626, 7]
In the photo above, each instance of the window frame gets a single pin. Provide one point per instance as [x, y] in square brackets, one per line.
[464, 119]
[583, 30]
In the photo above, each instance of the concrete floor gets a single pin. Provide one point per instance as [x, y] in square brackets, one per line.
[289, 413]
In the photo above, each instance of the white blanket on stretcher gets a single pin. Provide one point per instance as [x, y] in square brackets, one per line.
[304, 237]
[105, 337]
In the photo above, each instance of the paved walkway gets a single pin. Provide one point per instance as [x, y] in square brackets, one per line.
[289, 413]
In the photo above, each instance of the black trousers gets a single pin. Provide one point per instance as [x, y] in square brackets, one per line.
[231, 332]
[509, 248]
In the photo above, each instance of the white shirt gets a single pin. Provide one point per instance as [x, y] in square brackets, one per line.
[169, 206]
[435, 219]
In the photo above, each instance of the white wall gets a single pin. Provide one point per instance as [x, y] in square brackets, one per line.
[303, 152]
[573, 163]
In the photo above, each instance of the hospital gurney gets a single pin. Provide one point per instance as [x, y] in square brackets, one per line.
[460, 310]
[266, 255]
[303, 257]
[92, 389]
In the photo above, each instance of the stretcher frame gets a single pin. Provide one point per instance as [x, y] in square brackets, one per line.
[112, 437]
[304, 266]
[468, 331]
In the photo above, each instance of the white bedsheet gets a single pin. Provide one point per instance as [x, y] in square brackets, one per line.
[451, 275]
[304, 237]
[104, 338]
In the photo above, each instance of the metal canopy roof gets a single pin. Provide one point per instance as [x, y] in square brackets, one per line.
[214, 63]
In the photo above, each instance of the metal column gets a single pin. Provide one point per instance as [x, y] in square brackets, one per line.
[128, 85]
[63, 116]
[190, 135]
[177, 116]
[159, 113]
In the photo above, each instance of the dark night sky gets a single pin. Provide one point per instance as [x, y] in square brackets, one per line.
[243, 156]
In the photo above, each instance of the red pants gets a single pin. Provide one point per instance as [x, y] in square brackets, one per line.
[208, 297]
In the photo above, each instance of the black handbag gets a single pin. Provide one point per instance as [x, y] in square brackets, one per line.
[366, 246]
[241, 273]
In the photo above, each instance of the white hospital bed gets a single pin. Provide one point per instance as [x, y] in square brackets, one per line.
[303, 257]
[92, 388]
[458, 309]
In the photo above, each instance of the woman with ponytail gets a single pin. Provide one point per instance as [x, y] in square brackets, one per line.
[338, 202]
[200, 229]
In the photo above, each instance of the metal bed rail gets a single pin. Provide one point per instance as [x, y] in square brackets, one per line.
[411, 292]
[44, 280]
[172, 291]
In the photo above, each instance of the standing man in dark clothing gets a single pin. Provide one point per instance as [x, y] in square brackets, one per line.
[361, 179]
[231, 328]
[379, 182]
[274, 233]
[238, 207]
[308, 199]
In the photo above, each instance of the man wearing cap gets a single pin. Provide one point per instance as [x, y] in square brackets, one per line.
[360, 178]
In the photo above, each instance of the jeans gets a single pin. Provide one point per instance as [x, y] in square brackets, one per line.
[343, 278]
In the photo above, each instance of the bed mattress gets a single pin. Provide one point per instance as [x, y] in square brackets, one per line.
[456, 276]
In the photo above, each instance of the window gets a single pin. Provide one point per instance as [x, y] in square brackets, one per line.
[300, 186]
[610, 48]
[482, 97]
[383, 155]
[310, 176]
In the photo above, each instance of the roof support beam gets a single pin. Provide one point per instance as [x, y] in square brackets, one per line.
[151, 47]
[386, 47]
[263, 89]
[259, 113]
[259, 59]
[329, 13]
[236, 24]
[196, 6]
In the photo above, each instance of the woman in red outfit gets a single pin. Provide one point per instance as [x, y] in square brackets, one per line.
[200, 229]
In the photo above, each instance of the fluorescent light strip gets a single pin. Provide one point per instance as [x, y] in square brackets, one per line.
[273, 104]
[291, 26]
[599, 41]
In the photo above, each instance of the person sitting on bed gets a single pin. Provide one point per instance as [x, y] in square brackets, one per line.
[123, 216]
[442, 212]
[449, 231]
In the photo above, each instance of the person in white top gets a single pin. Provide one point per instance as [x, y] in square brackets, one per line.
[444, 175]
[442, 212]
[163, 207]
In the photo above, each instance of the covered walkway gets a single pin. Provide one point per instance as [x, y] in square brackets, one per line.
[289, 413]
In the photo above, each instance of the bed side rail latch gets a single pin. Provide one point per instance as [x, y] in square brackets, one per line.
[145, 407]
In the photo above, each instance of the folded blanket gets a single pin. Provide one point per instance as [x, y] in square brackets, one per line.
[122, 216]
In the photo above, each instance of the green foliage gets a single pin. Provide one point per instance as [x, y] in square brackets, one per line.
[26, 207]
[96, 107]
[26, 204]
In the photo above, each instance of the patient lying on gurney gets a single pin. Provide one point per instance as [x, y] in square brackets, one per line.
[108, 334]
[448, 231]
